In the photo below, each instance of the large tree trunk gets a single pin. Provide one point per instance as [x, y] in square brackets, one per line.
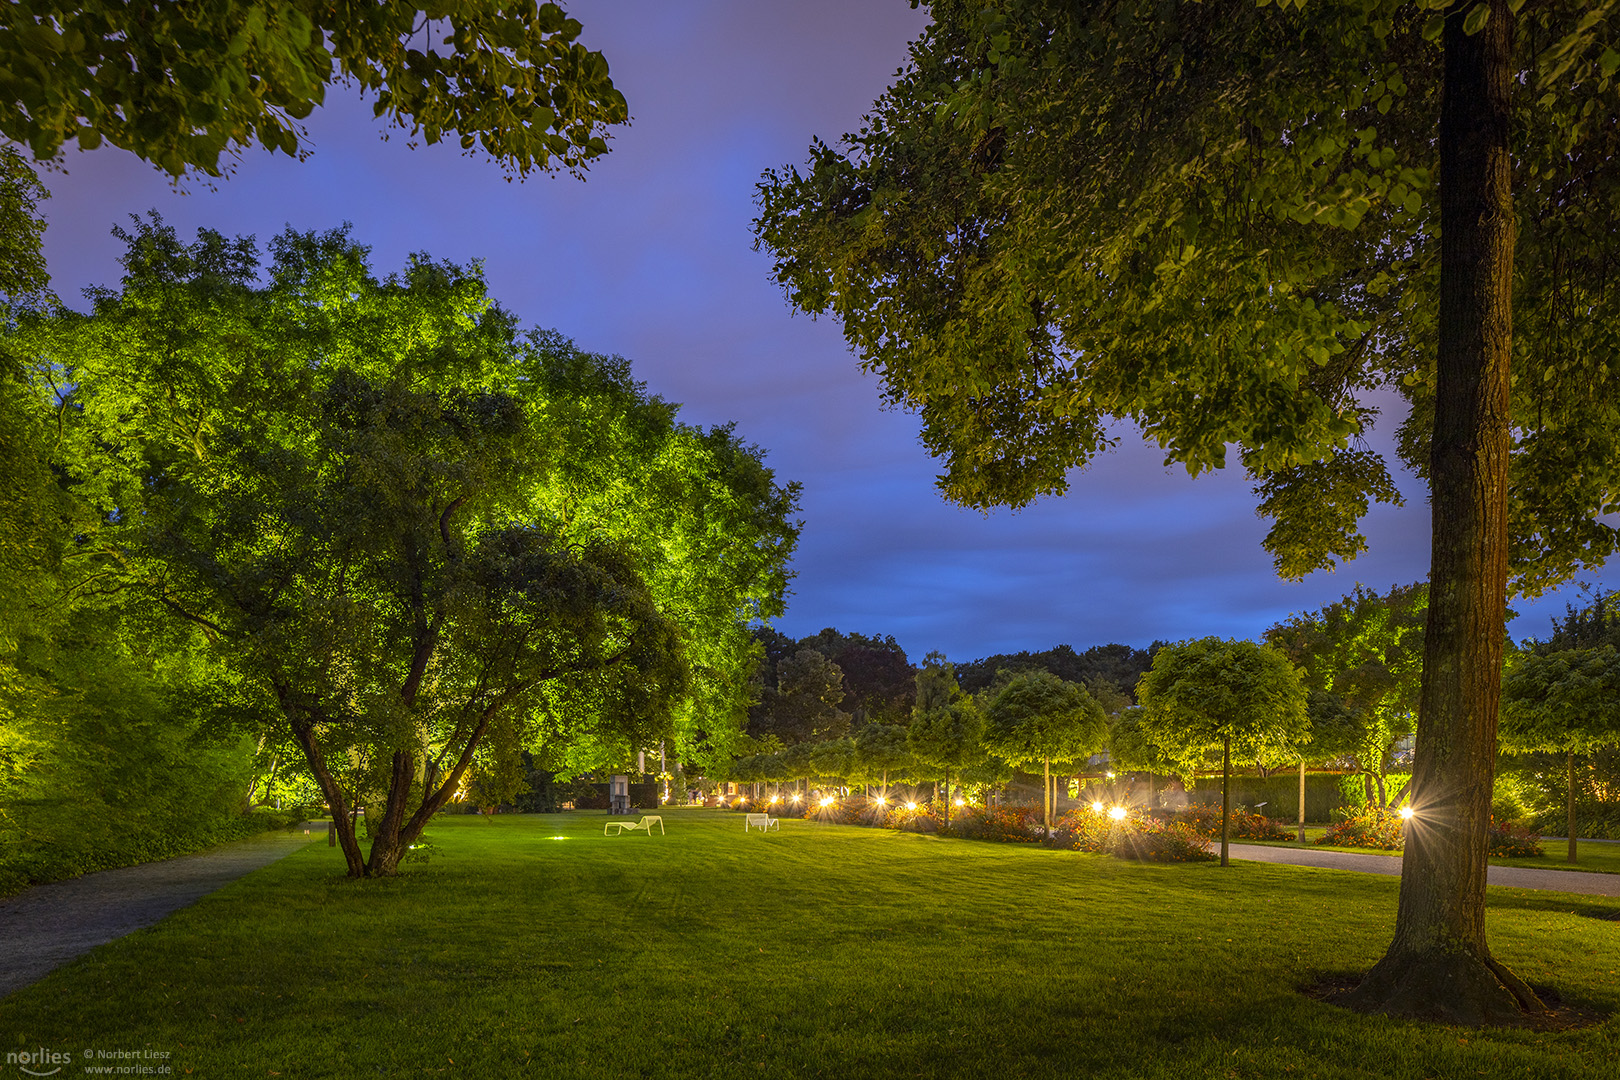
[386, 844]
[1226, 798]
[342, 820]
[1438, 966]
[1571, 800]
[1046, 795]
[1302, 800]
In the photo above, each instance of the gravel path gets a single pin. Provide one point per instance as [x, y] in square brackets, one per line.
[1513, 877]
[48, 925]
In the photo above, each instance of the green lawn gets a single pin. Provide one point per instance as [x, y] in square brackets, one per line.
[821, 951]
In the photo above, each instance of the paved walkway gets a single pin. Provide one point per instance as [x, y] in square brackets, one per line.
[48, 925]
[1512, 877]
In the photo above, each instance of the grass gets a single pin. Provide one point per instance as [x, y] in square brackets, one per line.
[821, 951]
[1598, 857]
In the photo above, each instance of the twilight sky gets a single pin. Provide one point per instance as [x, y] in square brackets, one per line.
[651, 258]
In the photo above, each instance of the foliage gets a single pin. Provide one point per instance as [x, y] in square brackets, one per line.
[1102, 669]
[1137, 837]
[1509, 841]
[1201, 692]
[882, 753]
[1005, 824]
[878, 679]
[947, 725]
[129, 751]
[802, 706]
[1361, 659]
[1371, 827]
[1596, 624]
[1023, 253]
[180, 83]
[1568, 700]
[1205, 820]
[404, 522]
[1037, 717]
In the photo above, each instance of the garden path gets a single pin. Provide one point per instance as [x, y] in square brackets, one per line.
[1513, 877]
[48, 925]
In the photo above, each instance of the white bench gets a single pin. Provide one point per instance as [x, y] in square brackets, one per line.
[644, 825]
[763, 821]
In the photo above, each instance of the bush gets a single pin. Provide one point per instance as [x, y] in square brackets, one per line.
[1597, 822]
[1008, 824]
[1136, 836]
[1152, 840]
[1509, 841]
[1205, 820]
[1379, 830]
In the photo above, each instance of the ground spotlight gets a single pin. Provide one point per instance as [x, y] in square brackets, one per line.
[911, 806]
[1117, 813]
[1096, 808]
[828, 801]
[1406, 813]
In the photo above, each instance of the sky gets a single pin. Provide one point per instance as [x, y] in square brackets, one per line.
[651, 257]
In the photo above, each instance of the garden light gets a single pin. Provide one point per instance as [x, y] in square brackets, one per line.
[911, 806]
[775, 799]
[1096, 808]
[881, 801]
[828, 801]
[796, 796]
[1117, 813]
[961, 802]
[1406, 813]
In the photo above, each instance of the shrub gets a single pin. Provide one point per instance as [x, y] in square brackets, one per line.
[1379, 830]
[1136, 836]
[1008, 824]
[1509, 841]
[920, 820]
[1152, 840]
[1205, 820]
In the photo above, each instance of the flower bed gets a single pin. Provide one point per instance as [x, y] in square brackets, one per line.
[1378, 830]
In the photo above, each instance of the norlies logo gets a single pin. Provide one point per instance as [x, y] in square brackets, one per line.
[40, 1062]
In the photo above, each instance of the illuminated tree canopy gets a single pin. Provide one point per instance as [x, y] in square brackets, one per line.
[414, 528]
[181, 83]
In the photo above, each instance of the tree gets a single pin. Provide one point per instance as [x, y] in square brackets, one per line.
[881, 749]
[1104, 670]
[1367, 652]
[878, 684]
[349, 485]
[1131, 749]
[180, 83]
[1565, 702]
[1207, 693]
[803, 705]
[1036, 716]
[1221, 222]
[947, 725]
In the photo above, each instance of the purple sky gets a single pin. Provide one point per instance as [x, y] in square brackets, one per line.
[651, 258]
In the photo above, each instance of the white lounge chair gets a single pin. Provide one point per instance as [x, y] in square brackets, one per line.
[644, 825]
[763, 821]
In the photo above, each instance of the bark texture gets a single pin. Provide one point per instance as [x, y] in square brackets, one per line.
[1438, 966]
[1226, 798]
[1570, 808]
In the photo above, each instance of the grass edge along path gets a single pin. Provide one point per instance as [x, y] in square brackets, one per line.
[534, 946]
[45, 926]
